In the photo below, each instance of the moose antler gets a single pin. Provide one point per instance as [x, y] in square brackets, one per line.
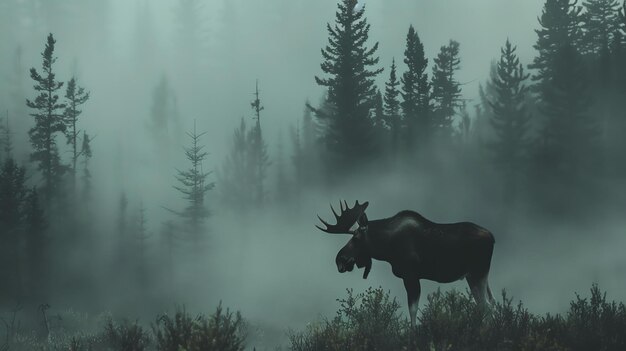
[345, 220]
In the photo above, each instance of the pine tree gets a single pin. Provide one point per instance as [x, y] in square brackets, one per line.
[601, 23]
[141, 235]
[510, 117]
[446, 92]
[348, 133]
[392, 108]
[164, 121]
[416, 105]
[75, 97]
[257, 153]
[378, 117]
[235, 184]
[48, 122]
[85, 152]
[569, 135]
[560, 23]
[194, 185]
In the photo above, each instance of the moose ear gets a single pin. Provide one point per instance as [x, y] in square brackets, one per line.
[362, 220]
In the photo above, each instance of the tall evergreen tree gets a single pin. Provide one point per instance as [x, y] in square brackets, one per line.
[569, 135]
[235, 185]
[416, 105]
[378, 116]
[194, 185]
[560, 23]
[164, 123]
[510, 117]
[348, 62]
[601, 23]
[86, 154]
[75, 97]
[48, 122]
[257, 153]
[446, 93]
[392, 108]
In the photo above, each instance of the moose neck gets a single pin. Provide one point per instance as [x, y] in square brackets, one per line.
[377, 239]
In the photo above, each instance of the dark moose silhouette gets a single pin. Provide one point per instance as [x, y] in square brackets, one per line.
[416, 248]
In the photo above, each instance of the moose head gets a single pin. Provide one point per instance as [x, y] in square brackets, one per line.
[355, 252]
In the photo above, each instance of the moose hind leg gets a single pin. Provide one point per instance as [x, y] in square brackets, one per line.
[478, 287]
[413, 291]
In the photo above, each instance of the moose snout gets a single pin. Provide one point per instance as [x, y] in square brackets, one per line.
[345, 264]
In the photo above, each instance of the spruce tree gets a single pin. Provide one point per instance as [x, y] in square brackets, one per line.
[257, 153]
[392, 108]
[560, 23]
[568, 138]
[48, 122]
[194, 185]
[510, 117]
[348, 62]
[86, 154]
[378, 117]
[416, 105]
[235, 185]
[446, 93]
[601, 23]
[75, 97]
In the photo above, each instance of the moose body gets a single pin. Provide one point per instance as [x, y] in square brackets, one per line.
[417, 249]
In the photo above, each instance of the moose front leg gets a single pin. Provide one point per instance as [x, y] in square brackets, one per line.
[413, 290]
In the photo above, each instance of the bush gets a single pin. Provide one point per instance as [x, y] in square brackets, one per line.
[367, 321]
[452, 321]
[222, 331]
[126, 336]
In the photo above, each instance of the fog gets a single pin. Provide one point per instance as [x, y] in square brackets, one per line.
[270, 262]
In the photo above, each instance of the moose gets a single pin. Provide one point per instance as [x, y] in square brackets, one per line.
[416, 248]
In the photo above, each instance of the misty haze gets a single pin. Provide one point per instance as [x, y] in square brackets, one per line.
[163, 164]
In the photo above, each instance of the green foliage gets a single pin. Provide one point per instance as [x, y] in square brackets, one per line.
[453, 321]
[222, 331]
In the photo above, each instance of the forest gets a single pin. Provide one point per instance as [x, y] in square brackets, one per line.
[162, 164]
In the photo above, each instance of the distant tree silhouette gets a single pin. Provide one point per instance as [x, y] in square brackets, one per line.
[235, 185]
[48, 122]
[393, 117]
[85, 153]
[446, 89]
[194, 186]
[36, 243]
[164, 121]
[510, 119]
[416, 103]
[13, 194]
[75, 96]
[348, 134]
[258, 156]
[378, 115]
